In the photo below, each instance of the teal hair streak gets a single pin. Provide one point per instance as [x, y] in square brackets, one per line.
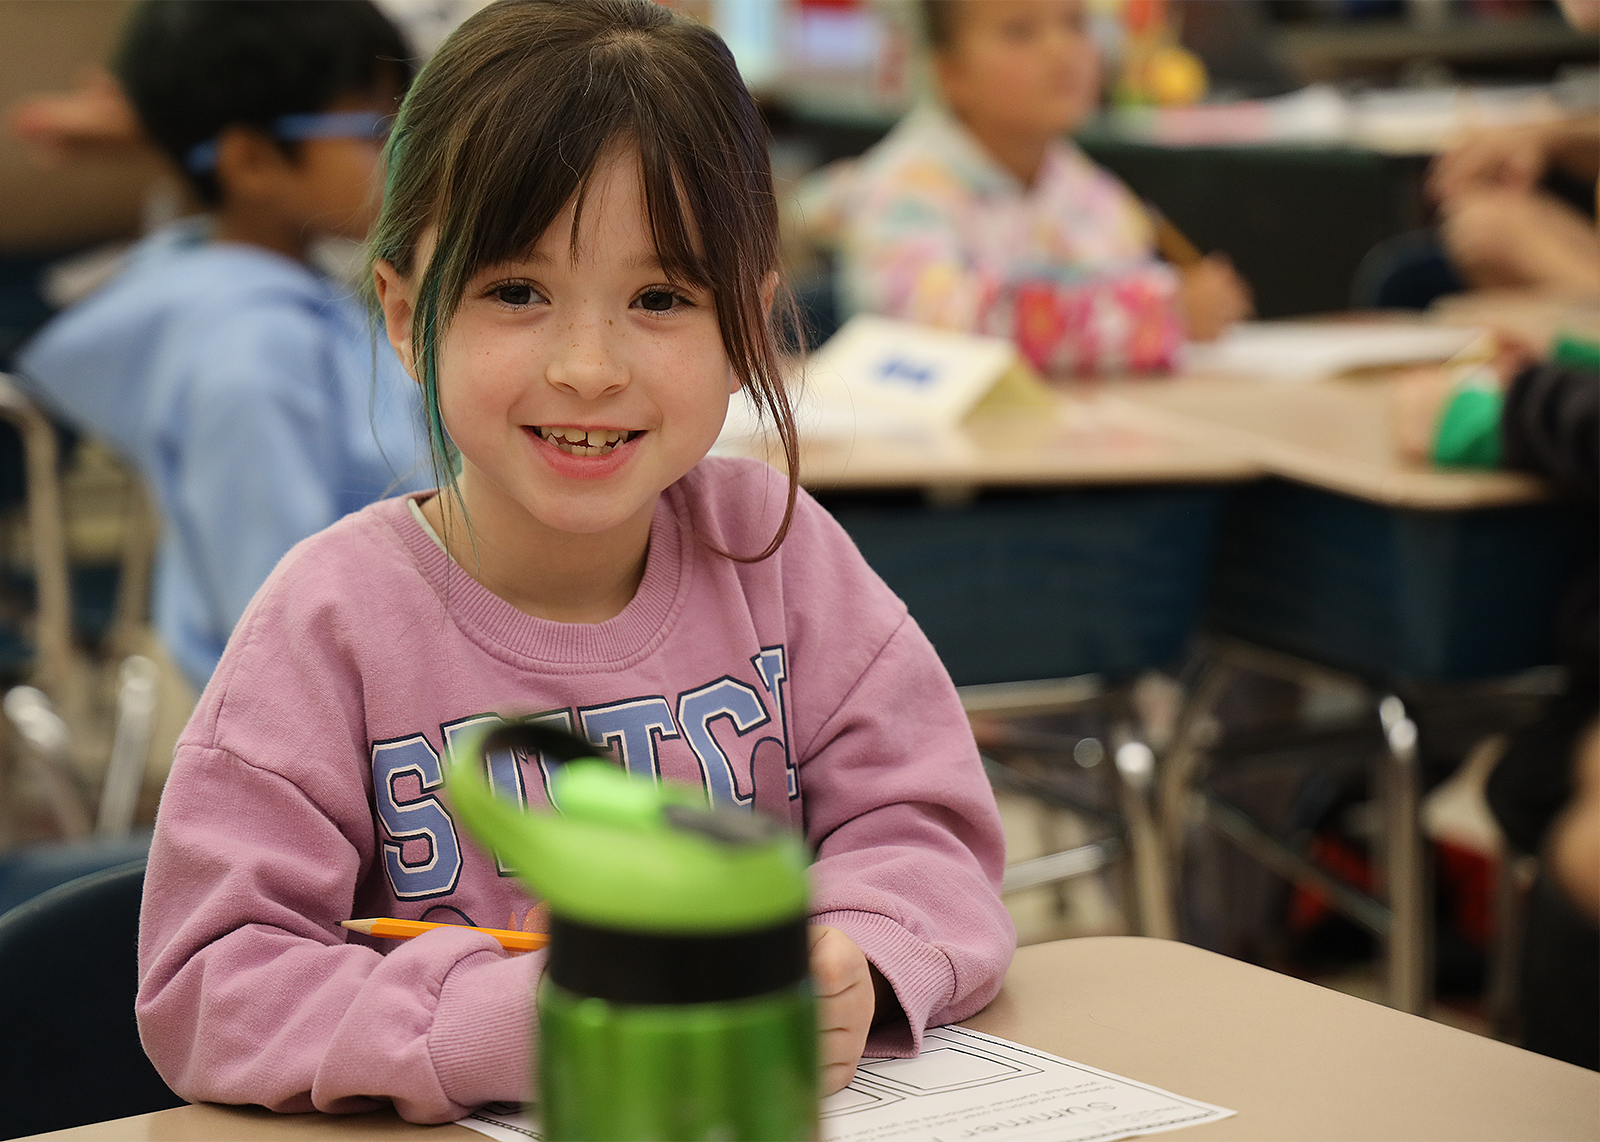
[427, 313]
[426, 347]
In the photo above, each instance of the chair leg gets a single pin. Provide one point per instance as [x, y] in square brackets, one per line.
[1405, 862]
[1153, 906]
[1513, 877]
[130, 746]
[1184, 758]
[133, 581]
[48, 746]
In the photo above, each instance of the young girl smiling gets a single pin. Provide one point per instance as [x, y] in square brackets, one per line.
[577, 261]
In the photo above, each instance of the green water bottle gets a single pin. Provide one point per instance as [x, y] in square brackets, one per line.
[676, 1001]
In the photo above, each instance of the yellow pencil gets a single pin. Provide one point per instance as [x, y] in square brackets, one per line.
[388, 928]
[1171, 243]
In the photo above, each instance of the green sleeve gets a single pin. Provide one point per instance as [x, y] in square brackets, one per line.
[1469, 429]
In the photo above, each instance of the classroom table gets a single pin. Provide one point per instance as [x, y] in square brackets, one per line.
[985, 529]
[1333, 434]
[1082, 439]
[1356, 559]
[1294, 1060]
[1348, 556]
[1364, 560]
[1062, 543]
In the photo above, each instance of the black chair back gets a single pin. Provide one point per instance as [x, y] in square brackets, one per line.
[69, 1047]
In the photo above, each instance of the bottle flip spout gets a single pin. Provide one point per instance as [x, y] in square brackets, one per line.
[628, 853]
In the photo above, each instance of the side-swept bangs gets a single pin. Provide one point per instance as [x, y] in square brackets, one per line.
[507, 124]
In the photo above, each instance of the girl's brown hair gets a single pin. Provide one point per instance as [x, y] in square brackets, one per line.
[505, 126]
[939, 23]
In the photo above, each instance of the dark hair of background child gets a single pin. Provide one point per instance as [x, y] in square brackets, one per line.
[505, 126]
[194, 67]
[939, 23]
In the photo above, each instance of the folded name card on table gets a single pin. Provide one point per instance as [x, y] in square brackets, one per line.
[1310, 350]
[879, 376]
[966, 1084]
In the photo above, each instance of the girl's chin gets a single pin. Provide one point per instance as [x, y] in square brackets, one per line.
[600, 524]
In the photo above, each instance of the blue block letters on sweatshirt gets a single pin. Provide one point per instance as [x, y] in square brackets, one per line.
[774, 673]
[634, 729]
[740, 704]
[421, 818]
[631, 727]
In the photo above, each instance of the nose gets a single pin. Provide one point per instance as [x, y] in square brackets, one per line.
[584, 362]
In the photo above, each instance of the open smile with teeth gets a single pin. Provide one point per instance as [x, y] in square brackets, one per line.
[585, 441]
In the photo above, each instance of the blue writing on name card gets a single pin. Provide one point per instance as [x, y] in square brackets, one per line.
[902, 369]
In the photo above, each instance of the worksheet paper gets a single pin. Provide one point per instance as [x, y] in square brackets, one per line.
[1310, 350]
[969, 1086]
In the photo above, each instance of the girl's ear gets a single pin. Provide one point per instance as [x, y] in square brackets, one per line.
[394, 296]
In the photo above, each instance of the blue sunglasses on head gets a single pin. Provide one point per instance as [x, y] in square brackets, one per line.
[202, 157]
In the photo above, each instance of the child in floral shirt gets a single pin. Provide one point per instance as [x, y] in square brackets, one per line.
[979, 215]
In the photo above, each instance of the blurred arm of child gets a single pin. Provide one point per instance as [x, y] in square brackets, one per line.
[1545, 420]
[1516, 158]
[1421, 395]
[1501, 238]
[93, 119]
[979, 216]
[1212, 297]
[1574, 846]
[1499, 227]
[1549, 416]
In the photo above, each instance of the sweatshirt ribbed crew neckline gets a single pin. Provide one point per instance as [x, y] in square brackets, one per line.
[524, 639]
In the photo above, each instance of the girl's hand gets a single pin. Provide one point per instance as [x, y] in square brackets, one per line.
[1213, 296]
[1420, 395]
[1419, 398]
[846, 1003]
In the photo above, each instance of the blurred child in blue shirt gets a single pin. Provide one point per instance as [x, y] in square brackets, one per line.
[244, 383]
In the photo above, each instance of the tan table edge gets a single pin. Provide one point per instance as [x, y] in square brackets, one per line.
[1418, 489]
[1297, 1061]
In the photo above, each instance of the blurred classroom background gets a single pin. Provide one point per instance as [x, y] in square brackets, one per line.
[1191, 650]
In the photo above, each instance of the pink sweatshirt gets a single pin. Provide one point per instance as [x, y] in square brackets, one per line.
[307, 789]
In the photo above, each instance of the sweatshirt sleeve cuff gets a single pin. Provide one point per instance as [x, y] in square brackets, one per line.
[1468, 434]
[922, 977]
[482, 1040]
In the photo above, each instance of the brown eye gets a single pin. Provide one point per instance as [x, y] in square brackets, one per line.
[514, 293]
[657, 300]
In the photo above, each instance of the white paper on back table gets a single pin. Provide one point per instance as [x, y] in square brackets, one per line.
[1312, 350]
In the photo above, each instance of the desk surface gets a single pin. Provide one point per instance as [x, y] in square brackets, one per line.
[1296, 1061]
[1335, 434]
[1084, 440]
